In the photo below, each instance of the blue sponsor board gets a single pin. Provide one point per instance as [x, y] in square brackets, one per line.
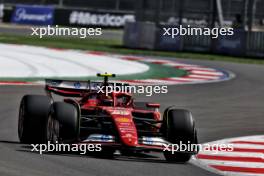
[132, 37]
[166, 42]
[34, 15]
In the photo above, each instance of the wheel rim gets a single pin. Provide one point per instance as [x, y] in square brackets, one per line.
[52, 130]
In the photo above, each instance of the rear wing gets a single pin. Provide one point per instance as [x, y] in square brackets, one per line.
[67, 87]
[70, 88]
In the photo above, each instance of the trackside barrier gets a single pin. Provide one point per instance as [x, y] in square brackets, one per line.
[231, 45]
[52, 15]
[166, 42]
[88, 18]
[255, 44]
[242, 43]
[140, 35]
[197, 43]
[1, 12]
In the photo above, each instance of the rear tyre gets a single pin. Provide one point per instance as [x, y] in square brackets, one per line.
[63, 124]
[179, 128]
[33, 113]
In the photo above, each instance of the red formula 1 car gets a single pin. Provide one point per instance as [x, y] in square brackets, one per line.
[114, 120]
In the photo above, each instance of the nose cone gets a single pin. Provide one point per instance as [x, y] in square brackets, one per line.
[129, 139]
[127, 130]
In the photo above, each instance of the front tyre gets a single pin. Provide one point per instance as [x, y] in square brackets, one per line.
[179, 128]
[63, 124]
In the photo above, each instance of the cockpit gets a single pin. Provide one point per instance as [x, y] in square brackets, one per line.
[112, 99]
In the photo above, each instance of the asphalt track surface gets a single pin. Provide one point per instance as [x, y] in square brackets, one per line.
[222, 110]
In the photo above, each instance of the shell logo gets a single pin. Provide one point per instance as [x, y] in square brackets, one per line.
[123, 120]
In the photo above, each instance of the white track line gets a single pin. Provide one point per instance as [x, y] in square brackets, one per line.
[246, 159]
